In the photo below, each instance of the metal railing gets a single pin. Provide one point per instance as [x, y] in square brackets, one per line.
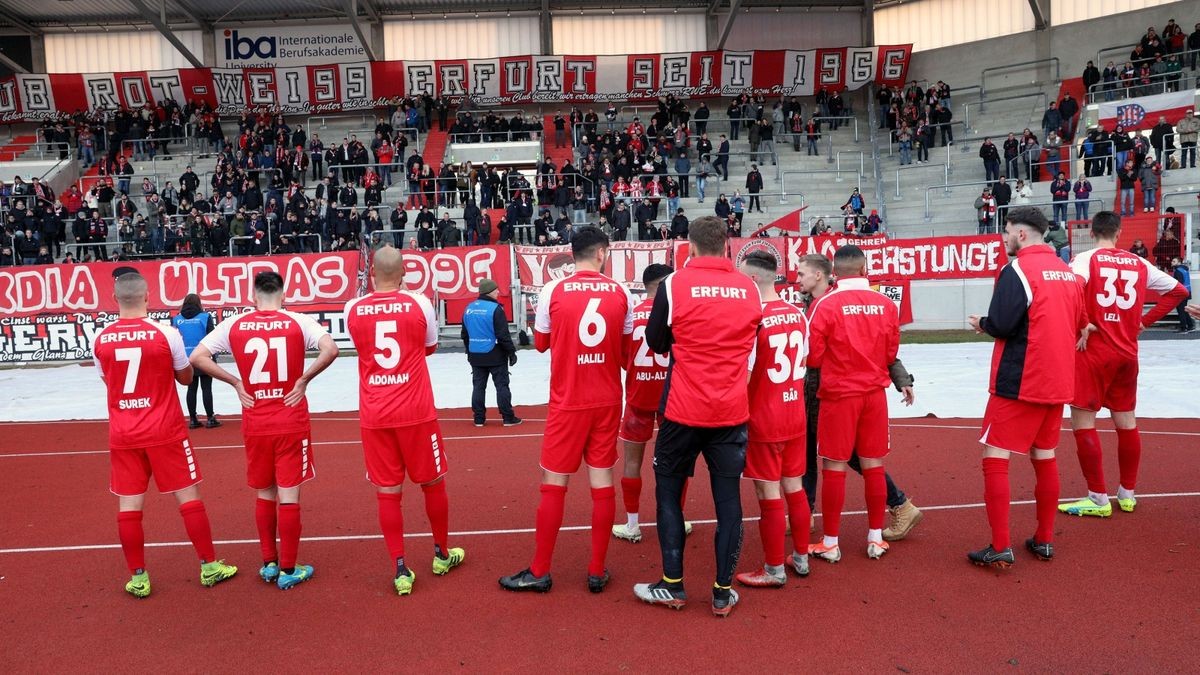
[862, 162]
[1053, 60]
[783, 192]
[1160, 81]
[982, 102]
[850, 118]
[910, 167]
[472, 137]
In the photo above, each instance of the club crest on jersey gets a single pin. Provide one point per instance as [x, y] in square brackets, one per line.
[759, 245]
[1130, 114]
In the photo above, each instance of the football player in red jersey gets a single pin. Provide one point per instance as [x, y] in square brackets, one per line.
[645, 374]
[268, 347]
[775, 451]
[1037, 316]
[855, 335]
[585, 320]
[140, 361]
[394, 330]
[1115, 286]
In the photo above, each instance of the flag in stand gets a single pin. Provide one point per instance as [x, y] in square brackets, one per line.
[792, 222]
[1142, 113]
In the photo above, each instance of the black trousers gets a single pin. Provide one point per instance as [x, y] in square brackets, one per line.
[479, 380]
[204, 383]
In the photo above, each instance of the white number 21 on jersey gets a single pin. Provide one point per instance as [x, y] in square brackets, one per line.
[260, 347]
[1123, 299]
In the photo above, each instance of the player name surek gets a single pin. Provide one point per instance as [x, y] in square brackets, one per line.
[1056, 275]
[718, 292]
[866, 310]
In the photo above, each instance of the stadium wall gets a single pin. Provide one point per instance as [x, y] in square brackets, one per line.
[630, 33]
[794, 30]
[461, 38]
[118, 52]
[1073, 43]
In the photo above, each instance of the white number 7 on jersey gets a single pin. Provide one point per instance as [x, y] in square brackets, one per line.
[134, 356]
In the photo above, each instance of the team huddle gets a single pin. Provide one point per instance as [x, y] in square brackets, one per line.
[713, 357]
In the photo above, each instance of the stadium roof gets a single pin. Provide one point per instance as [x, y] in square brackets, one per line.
[35, 17]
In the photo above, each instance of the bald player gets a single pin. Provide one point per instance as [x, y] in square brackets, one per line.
[394, 330]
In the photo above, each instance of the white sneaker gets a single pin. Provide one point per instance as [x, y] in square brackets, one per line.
[800, 563]
[687, 528]
[625, 531]
[876, 549]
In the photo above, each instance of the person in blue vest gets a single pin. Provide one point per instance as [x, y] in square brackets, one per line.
[490, 351]
[194, 323]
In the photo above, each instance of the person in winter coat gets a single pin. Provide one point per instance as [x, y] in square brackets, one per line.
[193, 323]
[1183, 274]
[1150, 176]
[1188, 129]
[1060, 192]
[1057, 237]
[1052, 119]
[1083, 192]
[985, 210]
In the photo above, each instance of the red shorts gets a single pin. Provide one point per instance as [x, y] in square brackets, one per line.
[279, 460]
[172, 464]
[574, 436]
[1021, 426]
[637, 426]
[853, 424]
[1104, 380]
[416, 449]
[772, 461]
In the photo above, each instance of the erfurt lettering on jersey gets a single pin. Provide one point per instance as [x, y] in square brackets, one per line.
[863, 310]
[590, 286]
[385, 380]
[125, 336]
[390, 308]
[1056, 275]
[718, 292]
[782, 319]
[1118, 260]
[263, 325]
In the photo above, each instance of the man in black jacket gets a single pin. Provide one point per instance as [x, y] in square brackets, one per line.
[490, 352]
[754, 185]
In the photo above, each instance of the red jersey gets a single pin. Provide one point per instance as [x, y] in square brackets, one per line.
[583, 320]
[645, 371]
[1036, 314]
[777, 376]
[855, 335]
[392, 332]
[137, 358]
[268, 348]
[1115, 285]
[708, 318]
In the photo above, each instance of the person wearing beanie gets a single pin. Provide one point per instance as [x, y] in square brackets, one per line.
[490, 351]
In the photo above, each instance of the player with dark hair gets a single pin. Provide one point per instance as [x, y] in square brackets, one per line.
[705, 404]
[268, 347]
[393, 331]
[815, 278]
[855, 336]
[140, 361]
[775, 452]
[1116, 283]
[1037, 317]
[645, 374]
[585, 320]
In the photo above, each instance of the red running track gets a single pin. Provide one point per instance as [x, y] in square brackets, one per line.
[922, 608]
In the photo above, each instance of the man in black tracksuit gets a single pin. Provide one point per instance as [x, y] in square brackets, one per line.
[490, 352]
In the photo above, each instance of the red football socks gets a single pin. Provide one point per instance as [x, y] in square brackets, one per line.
[631, 493]
[437, 507]
[1045, 495]
[799, 514]
[1091, 459]
[548, 522]
[195, 521]
[604, 507]
[996, 499]
[875, 490]
[289, 535]
[773, 529]
[833, 496]
[1129, 455]
[133, 539]
[264, 517]
[391, 522]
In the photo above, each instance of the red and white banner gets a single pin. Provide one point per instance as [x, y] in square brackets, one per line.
[455, 273]
[1142, 113]
[497, 81]
[53, 312]
[538, 265]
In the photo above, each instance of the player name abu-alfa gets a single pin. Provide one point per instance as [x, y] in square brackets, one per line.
[718, 292]
[390, 308]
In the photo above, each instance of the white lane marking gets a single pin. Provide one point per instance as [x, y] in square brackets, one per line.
[523, 530]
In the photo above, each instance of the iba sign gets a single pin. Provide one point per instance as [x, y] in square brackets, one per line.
[271, 47]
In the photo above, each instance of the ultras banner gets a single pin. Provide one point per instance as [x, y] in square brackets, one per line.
[497, 81]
